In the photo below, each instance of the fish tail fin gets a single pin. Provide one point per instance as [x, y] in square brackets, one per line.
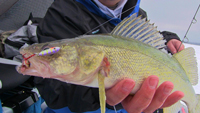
[188, 61]
[197, 108]
[140, 29]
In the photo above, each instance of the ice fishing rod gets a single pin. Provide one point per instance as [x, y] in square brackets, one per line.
[194, 21]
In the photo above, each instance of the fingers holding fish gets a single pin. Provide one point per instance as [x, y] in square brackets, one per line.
[142, 99]
[149, 97]
[173, 98]
[119, 92]
[160, 96]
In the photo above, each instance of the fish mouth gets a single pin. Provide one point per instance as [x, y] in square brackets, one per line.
[24, 68]
[35, 69]
[25, 71]
[20, 69]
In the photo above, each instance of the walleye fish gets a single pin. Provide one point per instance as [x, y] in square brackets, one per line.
[131, 50]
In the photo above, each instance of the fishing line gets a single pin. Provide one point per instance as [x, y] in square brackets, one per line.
[115, 109]
[111, 19]
[194, 21]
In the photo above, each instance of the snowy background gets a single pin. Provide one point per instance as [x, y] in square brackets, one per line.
[175, 16]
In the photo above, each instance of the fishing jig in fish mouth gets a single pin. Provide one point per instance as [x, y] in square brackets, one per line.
[48, 51]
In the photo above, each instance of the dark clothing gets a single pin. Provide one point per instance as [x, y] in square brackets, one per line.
[69, 19]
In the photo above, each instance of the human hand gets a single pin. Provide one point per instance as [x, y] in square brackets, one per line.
[174, 45]
[147, 99]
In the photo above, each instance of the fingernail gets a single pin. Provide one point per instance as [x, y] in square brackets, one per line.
[168, 89]
[153, 83]
[180, 95]
[128, 85]
[175, 51]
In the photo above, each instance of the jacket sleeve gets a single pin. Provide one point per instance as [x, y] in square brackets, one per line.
[169, 35]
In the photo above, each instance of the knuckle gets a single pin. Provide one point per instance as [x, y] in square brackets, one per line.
[147, 98]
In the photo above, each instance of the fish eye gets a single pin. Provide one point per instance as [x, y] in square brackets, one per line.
[45, 47]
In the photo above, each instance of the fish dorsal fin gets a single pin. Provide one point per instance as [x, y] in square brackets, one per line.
[188, 61]
[139, 29]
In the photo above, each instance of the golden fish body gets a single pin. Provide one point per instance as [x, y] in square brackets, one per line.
[114, 57]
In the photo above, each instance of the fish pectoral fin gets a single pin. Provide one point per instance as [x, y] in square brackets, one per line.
[105, 67]
[102, 94]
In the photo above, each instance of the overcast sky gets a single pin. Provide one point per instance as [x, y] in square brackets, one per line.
[175, 16]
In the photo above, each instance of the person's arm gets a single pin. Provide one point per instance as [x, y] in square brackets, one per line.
[147, 99]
